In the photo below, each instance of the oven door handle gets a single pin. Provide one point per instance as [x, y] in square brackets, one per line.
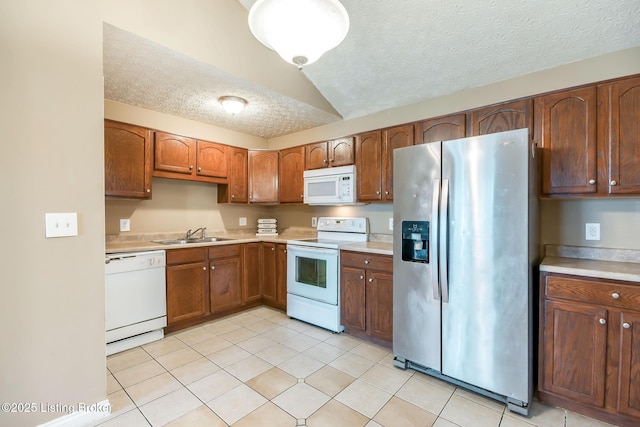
[309, 250]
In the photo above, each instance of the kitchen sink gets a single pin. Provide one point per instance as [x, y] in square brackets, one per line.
[189, 241]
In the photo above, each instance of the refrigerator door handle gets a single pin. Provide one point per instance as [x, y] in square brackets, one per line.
[443, 241]
[433, 236]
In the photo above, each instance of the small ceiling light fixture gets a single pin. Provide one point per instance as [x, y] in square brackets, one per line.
[300, 31]
[232, 104]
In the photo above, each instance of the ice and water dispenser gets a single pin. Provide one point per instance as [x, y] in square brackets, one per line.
[415, 241]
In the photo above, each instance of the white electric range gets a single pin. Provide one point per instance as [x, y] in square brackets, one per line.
[313, 271]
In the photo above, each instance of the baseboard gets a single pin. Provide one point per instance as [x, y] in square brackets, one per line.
[82, 415]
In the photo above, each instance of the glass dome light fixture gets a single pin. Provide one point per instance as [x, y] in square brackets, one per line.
[300, 31]
[232, 104]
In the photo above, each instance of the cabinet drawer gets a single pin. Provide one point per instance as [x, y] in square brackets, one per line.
[366, 260]
[596, 291]
[224, 251]
[183, 256]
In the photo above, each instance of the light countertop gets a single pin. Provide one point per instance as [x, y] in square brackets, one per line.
[382, 248]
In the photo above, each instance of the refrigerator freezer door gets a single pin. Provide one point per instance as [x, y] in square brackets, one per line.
[416, 313]
[485, 324]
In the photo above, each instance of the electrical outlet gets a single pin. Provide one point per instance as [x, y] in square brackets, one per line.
[592, 231]
[390, 223]
[61, 224]
[243, 221]
[314, 221]
[125, 224]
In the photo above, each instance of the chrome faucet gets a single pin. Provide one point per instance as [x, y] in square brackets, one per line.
[190, 233]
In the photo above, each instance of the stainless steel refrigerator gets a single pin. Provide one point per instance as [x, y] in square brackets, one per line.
[464, 250]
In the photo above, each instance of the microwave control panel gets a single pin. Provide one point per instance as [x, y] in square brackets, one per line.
[345, 186]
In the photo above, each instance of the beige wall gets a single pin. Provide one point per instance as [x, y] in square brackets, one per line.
[52, 290]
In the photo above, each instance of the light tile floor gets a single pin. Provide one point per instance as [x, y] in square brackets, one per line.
[260, 368]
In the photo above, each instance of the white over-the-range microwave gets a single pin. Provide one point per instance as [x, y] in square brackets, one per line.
[330, 186]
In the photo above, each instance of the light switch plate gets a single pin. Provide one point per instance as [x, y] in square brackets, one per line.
[390, 223]
[243, 221]
[61, 224]
[314, 221]
[125, 224]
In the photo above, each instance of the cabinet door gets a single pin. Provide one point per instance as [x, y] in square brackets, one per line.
[281, 275]
[501, 118]
[569, 142]
[211, 159]
[397, 137]
[268, 271]
[237, 190]
[369, 166]
[379, 304]
[316, 155]
[628, 388]
[352, 298]
[619, 127]
[574, 351]
[341, 151]
[187, 291]
[225, 283]
[291, 175]
[127, 161]
[263, 176]
[174, 154]
[251, 280]
[441, 129]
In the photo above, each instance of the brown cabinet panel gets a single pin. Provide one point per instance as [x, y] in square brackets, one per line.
[352, 298]
[127, 160]
[608, 292]
[337, 152]
[187, 291]
[367, 260]
[575, 343]
[569, 141]
[268, 271]
[379, 304]
[396, 137]
[211, 159]
[500, 118]
[369, 166]
[619, 130]
[224, 283]
[291, 175]
[175, 154]
[629, 386]
[441, 129]
[237, 189]
[281, 275]
[183, 256]
[251, 272]
[263, 176]
[316, 156]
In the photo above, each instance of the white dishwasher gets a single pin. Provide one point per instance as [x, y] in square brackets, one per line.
[135, 300]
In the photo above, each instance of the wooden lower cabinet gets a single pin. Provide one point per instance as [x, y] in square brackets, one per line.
[252, 274]
[201, 282]
[274, 274]
[589, 359]
[366, 295]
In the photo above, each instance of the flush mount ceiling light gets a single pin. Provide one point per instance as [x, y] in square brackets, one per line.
[300, 31]
[232, 104]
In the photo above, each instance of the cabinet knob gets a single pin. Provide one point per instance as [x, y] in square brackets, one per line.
[603, 321]
[190, 167]
[285, 251]
[148, 190]
[377, 191]
[614, 182]
[370, 280]
[233, 196]
[626, 325]
[213, 267]
[386, 192]
[332, 160]
[273, 249]
[324, 161]
[366, 261]
[592, 181]
[204, 268]
[361, 277]
[199, 169]
[615, 295]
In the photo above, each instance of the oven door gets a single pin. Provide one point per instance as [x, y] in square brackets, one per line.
[313, 273]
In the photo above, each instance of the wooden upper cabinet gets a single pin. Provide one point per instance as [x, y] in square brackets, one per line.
[568, 123]
[619, 132]
[369, 166]
[396, 137]
[501, 118]
[211, 159]
[179, 157]
[127, 161]
[337, 152]
[441, 129]
[237, 190]
[291, 175]
[263, 176]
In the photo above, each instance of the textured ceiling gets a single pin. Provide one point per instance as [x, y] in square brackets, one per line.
[397, 53]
